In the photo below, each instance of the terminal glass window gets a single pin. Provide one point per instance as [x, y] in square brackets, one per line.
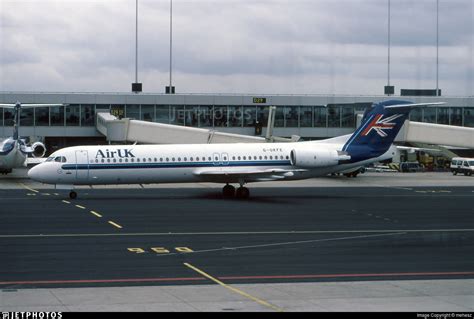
[262, 115]
[192, 116]
[291, 116]
[416, 114]
[72, 115]
[235, 116]
[456, 116]
[1, 116]
[57, 115]
[205, 115]
[250, 116]
[429, 115]
[41, 116]
[8, 117]
[87, 115]
[132, 111]
[443, 115]
[26, 117]
[320, 116]
[148, 113]
[334, 116]
[469, 117]
[220, 116]
[279, 117]
[162, 114]
[348, 119]
[177, 114]
[306, 116]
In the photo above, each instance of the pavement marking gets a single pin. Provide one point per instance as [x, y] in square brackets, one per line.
[46, 194]
[114, 224]
[79, 206]
[65, 201]
[289, 243]
[304, 232]
[240, 292]
[28, 188]
[95, 213]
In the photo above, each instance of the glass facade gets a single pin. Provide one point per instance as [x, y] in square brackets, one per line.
[318, 116]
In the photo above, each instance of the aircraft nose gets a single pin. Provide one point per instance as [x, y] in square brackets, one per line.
[34, 173]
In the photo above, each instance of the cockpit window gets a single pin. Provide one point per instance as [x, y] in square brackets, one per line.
[60, 159]
[49, 159]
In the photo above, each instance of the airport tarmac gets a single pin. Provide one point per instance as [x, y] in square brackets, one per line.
[378, 242]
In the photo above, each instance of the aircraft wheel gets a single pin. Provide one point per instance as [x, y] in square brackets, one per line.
[228, 191]
[72, 195]
[455, 173]
[242, 192]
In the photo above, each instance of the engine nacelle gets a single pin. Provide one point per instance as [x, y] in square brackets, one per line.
[38, 149]
[311, 158]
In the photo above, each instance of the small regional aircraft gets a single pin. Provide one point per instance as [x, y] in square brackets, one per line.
[228, 163]
[13, 150]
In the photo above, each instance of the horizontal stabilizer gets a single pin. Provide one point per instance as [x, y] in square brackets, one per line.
[413, 105]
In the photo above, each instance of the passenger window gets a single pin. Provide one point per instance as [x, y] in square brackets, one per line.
[144, 160]
[255, 157]
[466, 164]
[185, 159]
[108, 160]
[265, 157]
[155, 159]
[115, 161]
[209, 158]
[167, 159]
[245, 158]
[161, 159]
[96, 160]
[102, 160]
[233, 158]
[287, 157]
[138, 160]
[191, 159]
[173, 159]
[126, 160]
[179, 159]
[260, 157]
[120, 160]
[271, 157]
[132, 160]
[238, 158]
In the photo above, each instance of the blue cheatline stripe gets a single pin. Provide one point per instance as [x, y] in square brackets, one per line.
[170, 165]
[351, 139]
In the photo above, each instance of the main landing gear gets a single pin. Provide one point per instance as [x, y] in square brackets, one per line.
[229, 191]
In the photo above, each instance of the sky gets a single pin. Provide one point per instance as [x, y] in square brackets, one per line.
[236, 46]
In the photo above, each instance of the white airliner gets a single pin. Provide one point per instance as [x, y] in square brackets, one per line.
[228, 163]
[13, 150]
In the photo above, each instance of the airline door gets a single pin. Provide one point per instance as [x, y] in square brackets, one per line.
[82, 165]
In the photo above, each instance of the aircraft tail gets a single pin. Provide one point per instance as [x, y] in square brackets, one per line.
[380, 125]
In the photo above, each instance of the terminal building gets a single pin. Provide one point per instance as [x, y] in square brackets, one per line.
[308, 116]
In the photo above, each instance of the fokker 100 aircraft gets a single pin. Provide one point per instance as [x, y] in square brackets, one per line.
[228, 163]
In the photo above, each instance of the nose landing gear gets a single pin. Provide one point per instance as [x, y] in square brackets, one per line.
[72, 195]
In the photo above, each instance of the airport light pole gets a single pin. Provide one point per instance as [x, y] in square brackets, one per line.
[136, 87]
[388, 89]
[437, 46]
[171, 48]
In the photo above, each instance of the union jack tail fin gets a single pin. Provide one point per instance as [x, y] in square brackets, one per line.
[380, 125]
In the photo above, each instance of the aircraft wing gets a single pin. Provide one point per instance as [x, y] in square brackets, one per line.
[229, 174]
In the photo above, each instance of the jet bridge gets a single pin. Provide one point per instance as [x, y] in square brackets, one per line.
[129, 130]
